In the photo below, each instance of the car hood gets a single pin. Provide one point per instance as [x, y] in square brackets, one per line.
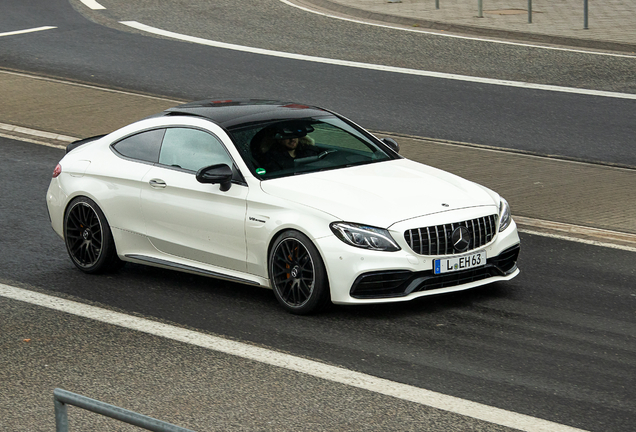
[381, 194]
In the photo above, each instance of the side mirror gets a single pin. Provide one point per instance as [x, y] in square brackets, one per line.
[393, 145]
[220, 173]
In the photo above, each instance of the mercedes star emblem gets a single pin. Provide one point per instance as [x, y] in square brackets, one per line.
[461, 238]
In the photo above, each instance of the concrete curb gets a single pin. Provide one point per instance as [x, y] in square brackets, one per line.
[507, 150]
[472, 30]
[35, 136]
[619, 240]
[48, 136]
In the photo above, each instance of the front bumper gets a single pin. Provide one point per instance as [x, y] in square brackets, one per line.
[376, 285]
[358, 276]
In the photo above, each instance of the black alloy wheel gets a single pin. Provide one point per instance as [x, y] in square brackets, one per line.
[297, 274]
[88, 238]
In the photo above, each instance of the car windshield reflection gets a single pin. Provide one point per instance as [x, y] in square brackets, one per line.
[297, 146]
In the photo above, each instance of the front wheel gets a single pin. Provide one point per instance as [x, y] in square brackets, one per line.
[298, 274]
[88, 238]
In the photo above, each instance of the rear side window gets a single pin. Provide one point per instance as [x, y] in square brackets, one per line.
[143, 146]
[192, 149]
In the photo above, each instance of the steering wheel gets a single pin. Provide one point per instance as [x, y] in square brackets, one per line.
[309, 159]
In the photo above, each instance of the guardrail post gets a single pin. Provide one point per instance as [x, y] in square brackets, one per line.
[529, 11]
[61, 415]
[480, 9]
[585, 15]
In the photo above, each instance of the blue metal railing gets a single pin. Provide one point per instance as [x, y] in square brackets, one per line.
[63, 398]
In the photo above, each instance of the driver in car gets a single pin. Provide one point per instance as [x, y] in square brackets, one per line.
[290, 142]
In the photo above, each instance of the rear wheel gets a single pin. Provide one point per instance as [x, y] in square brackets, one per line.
[298, 274]
[88, 238]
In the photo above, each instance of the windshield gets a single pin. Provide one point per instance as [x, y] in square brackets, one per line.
[297, 146]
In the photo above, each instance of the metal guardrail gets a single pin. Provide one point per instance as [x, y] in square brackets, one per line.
[63, 398]
[480, 11]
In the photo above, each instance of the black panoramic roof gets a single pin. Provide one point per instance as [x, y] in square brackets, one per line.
[235, 112]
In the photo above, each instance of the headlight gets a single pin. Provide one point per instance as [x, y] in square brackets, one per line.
[504, 215]
[365, 237]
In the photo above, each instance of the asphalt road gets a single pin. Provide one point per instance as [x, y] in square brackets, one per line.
[555, 343]
[571, 125]
[186, 385]
[271, 24]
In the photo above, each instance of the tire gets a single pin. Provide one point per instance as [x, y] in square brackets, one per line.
[88, 237]
[297, 274]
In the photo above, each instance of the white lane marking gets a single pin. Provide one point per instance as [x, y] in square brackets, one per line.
[32, 141]
[578, 240]
[31, 30]
[580, 230]
[456, 36]
[382, 68]
[36, 133]
[287, 361]
[488, 148]
[92, 4]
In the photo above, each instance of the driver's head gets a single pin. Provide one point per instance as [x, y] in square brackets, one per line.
[289, 130]
[288, 143]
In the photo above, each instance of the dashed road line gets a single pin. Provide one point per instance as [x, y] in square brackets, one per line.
[92, 4]
[31, 30]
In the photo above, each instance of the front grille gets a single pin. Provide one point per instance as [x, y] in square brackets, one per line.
[437, 240]
[401, 283]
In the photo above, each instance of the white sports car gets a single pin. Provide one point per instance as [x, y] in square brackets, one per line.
[280, 195]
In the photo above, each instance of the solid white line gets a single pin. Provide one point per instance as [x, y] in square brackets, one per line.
[36, 133]
[287, 361]
[92, 4]
[578, 240]
[217, 44]
[32, 141]
[31, 30]
[492, 149]
[437, 33]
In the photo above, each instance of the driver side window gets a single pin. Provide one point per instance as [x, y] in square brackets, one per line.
[192, 149]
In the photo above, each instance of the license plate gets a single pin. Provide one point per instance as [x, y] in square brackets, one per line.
[447, 265]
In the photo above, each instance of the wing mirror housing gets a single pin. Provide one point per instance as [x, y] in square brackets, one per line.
[220, 173]
[393, 145]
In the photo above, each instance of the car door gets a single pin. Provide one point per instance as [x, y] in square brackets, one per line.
[188, 219]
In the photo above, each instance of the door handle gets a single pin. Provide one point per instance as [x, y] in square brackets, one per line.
[157, 183]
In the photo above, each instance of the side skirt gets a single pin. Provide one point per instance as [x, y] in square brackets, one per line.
[157, 262]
